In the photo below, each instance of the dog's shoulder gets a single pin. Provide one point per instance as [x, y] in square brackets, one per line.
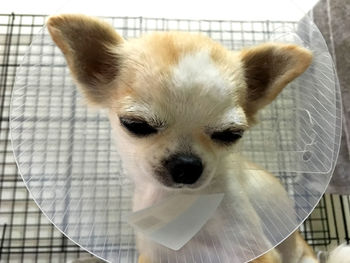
[253, 180]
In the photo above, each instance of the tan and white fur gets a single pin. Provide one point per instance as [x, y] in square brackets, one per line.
[188, 96]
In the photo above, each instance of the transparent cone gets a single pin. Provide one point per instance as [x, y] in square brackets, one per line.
[73, 171]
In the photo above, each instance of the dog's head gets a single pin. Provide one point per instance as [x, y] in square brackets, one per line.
[178, 102]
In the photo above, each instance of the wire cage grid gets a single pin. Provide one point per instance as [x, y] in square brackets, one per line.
[26, 234]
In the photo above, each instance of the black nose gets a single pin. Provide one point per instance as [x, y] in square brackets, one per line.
[184, 168]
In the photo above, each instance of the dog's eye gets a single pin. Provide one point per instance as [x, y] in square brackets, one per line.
[138, 127]
[227, 136]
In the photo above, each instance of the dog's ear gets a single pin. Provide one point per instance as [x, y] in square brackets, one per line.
[268, 68]
[89, 46]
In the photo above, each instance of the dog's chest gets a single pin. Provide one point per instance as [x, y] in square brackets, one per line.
[220, 240]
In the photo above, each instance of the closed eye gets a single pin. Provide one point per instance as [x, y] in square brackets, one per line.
[137, 127]
[227, 136]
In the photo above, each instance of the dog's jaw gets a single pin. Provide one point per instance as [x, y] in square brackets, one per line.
[143, 173]
[148, 192]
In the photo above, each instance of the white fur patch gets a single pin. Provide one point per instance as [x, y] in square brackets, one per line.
[199, 70]
[199, 78]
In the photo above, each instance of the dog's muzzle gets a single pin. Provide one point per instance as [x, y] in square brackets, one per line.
[184, 168]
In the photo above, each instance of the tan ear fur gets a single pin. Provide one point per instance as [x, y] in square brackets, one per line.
[268, 68]
[87, 44]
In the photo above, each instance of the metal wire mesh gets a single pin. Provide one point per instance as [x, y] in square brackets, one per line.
[26, 233]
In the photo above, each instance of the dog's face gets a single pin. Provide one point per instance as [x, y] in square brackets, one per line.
[178, 103]
[178, 111]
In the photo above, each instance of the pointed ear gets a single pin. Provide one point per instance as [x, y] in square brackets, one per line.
[88, 45]
[268, 68]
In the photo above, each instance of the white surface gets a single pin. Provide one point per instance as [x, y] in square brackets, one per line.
[196, 9]
[340, 255]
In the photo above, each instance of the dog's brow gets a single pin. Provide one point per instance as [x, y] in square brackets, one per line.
[227, 126]
[151, 120]
[235, 117]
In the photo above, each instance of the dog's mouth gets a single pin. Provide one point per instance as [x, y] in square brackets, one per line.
[182, 187]
[166, 180]
[175, 186]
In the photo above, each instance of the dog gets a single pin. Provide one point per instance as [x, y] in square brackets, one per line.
[179, 104]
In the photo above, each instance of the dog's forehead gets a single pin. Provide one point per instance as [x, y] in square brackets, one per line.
[197, 72]
[199, 87]
[191, 76]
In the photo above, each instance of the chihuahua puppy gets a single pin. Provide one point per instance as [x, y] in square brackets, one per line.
[178, 104]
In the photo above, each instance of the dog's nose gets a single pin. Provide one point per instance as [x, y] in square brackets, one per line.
[184, 168]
